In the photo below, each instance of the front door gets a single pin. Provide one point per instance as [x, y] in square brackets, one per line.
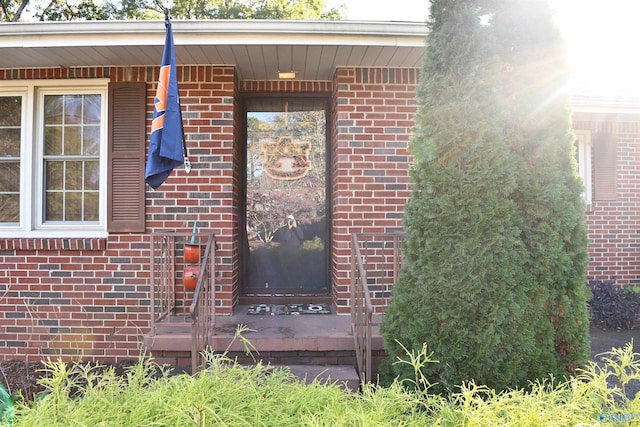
[286, 197]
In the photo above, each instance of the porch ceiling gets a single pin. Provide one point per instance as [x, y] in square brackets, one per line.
[258, 48]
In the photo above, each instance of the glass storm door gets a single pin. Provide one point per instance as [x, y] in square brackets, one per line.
[286, 197]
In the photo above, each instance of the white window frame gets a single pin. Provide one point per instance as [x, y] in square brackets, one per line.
[31, 223]
[583, 155]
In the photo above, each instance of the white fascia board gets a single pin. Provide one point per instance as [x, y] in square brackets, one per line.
[605, 104]
[213, 32]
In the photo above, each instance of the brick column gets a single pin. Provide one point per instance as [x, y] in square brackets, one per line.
[373, 118]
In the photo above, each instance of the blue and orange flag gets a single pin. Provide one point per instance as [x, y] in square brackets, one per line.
[166, 145]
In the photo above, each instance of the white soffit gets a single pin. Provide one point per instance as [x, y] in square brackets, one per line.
[258, 48]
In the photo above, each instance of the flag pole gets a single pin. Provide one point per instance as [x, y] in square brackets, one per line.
[187, 162]
[167, 126]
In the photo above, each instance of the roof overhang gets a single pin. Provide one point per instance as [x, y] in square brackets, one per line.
[586, 103]
[259, 49]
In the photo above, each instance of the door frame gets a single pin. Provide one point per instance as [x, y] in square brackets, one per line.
[245, 298]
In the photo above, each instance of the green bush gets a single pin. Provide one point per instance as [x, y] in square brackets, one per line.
[228, 394]
[496, 247]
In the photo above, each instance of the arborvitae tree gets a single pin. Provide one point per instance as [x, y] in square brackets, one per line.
[495, 253]
[537, 124]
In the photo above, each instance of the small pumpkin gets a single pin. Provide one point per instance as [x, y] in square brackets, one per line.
[192, 253]
[190, 278]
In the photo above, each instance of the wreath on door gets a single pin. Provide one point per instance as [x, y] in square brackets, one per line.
[286, 159]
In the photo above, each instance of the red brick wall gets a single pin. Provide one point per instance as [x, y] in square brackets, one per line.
[614, 225]
[374, 109]
[90, 297]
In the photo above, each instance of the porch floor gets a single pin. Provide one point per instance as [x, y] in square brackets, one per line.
[267, 333]
[305, 332]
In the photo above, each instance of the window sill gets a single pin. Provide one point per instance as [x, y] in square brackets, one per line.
[53, 244]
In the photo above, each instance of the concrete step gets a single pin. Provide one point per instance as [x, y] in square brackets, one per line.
[170, 336]
[176, 341]
[168, 342]
[285, 343]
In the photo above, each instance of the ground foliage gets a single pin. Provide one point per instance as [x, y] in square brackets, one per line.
[230, 394]
[612, 306]
[496, 246]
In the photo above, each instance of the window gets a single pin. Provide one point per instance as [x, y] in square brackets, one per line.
[53, 160]
[10, 137]
[71, 158]
[583, 157]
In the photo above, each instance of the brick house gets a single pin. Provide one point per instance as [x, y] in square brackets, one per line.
[608, 134]
[77, 219]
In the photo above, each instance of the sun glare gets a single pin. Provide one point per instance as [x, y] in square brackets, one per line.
[602, 37]
[602, 40]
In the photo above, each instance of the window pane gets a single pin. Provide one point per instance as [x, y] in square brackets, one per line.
[91, 176]
[72, 140]
[54, 173]
[9, 142]
[91, 205]
[73, 109]
[73, 176]
[91, 140]
[73, 207]
[10, 125]
[9, 177]
[10, 111]
[92, 109]
[53, 109]
[9, 208]
[53, 140]
[53, 206]
[10, 192]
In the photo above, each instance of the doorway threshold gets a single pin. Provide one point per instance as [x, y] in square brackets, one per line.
[285, 299]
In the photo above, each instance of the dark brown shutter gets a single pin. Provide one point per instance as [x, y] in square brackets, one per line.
[126, 198]
[604, 166]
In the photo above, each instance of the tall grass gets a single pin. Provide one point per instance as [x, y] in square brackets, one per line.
[229, 394]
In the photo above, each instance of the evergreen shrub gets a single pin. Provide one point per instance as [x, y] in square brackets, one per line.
[496, 247]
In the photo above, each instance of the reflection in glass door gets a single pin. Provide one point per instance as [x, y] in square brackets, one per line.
[286, 197]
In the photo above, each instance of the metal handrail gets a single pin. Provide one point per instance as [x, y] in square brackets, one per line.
[361, 312]
[163, 255]
[362, 308]
[203, 308]
[163, 269]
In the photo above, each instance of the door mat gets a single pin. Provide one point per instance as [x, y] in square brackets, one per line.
[286, 309]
